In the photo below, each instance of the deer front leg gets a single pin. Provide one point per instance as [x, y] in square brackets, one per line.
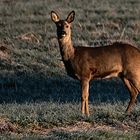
[85, 95]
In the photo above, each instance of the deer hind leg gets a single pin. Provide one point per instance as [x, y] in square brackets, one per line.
[133, 89]
[85, 95]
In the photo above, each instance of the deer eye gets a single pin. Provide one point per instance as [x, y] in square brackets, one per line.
[67, 26]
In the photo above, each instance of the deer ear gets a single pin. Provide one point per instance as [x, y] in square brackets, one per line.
[55, 18]
[70, 17]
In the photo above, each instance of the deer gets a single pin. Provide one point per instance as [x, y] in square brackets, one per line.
[84, 63]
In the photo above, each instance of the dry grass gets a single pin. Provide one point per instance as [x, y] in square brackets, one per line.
[30, 37]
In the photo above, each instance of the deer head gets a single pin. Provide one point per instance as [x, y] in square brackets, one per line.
[63, 26]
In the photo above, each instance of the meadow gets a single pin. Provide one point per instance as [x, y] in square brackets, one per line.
[37, 99]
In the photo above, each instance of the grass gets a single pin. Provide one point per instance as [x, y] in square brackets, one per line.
[63, 121]
[37, 99]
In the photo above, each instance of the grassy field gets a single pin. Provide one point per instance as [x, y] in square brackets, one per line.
[37, 99]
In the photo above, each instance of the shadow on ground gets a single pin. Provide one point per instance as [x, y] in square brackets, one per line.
[24, 87]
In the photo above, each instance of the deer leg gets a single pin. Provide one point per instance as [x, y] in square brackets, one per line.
[85, 95]
[133, 94]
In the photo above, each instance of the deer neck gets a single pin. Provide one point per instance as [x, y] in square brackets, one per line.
[66, 48]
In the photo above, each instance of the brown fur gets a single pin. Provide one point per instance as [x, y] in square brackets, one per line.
[88, 63]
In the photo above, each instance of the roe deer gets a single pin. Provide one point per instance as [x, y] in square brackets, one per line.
[89, 63]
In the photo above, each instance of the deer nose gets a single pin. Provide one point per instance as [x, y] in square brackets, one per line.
[63, 33]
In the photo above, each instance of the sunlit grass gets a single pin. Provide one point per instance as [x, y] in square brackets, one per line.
[40, 116]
